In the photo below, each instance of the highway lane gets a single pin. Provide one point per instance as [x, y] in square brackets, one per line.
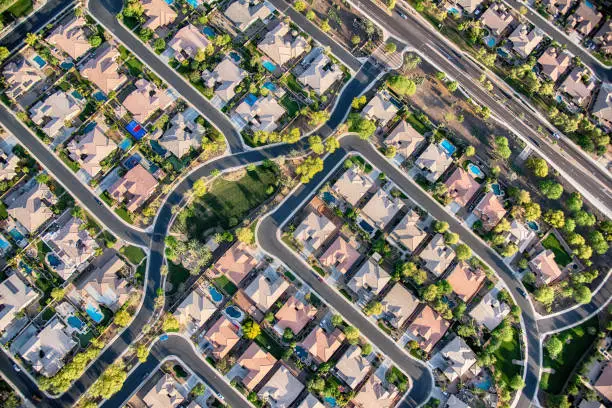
[105, 12]
[592, 181]
[603, 72]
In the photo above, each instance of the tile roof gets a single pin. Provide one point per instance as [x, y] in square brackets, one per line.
[428, 328]
[497, 18]
[294, 315]
[31, 206]
[91, 148]
[352, 185]
[399, 303]
[52, 113]
[281, 45]
[71, 37]
[370, 277]
[136, 186]
[545, 267]
[585, 18]
[146, 99]
[554, 63]
[490, 210]
[437, 255]
[340, 255]
[435, 161]
[490, 311]
[380, 108]
[314, 230]
[380, 209]
[404, 138]
[263, 114]
[322, 345]
[603, 385]
[602, 107]
[15, 294]
[243, 13]
[311, 402]
[461, 186]
[223, 335]
[375, 394]
[257, 363]
[188, 41]
[319, 72]
[352, 366]
[281, 389]
[103, 70]
[236, 263]
[459, 357]
[408, 232]
[465, 280]
[575, 87]
[164, 394]
[194, 311]
[265, 291]
[224, 79]
[525, 41]
[159, 12]
[183, 134]
[20, 76]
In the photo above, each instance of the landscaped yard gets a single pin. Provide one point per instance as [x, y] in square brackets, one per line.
[133, 253]
[226, 285]
[581, 341]
[562, 258]
[18, 8]
[266, 342]
[508, 351]
[227, 203]
[177, 274]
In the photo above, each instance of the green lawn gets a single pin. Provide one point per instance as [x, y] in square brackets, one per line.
[3, 211]
[109, 239]
[293, 84]
[134, 66]
[562, 258]
[140, 272]
[417, 124]
[227, 203]
[508, 351]
[18, 8]
[124, 214]
[569, 358]
[227, 285]
[266, 342]
[133, 253]
[290, 105]
[177, 274]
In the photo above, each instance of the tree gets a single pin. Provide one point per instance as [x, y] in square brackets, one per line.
[402, 85]
[470, 151]
[316, 144]
[110, 382]
[170, 323]
[159, 44]
[598, 242]
[551, 189]
[574, 239]
[452, 86]
[288, 334]
[250, 329]
[355, 40]
[459, 310]
[331, 144]
[308, 168]
[325, 27]
[198, 390]
[363, 127]
[584, 252]
[317, 117]
[142, 352]
[538, 166]
[440, 227]
[122, 318]
[95, 40]
[574, 202]
[373, 308]
[366, 349]
[336, 320]
[58, 294]
[544, 295]
[359, 102]
[411, 61]
[516, 382]
[554, 218]
[532, 211]
[441, 75]
[554, 347]
[245, 235]
[300, 5]
[310, 15]
[502, 147]
[390, 4]
[31, 39]
[451, 238]
[4, 53]
[463, 252]
[508, 250]
[352, 334]
[431, 293]
[390, 47]
[199, 187]
[584, 218]
[582, 294]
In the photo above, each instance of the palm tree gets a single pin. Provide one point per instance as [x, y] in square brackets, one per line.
[32, 39]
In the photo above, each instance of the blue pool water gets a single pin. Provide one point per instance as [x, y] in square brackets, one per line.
[75, 322]
[497, 190]
[484, 384]
[502, 53]
[588, 4]
[234, 55]
[270, 86]
[53, 260]
[125, 144]
[301, 353]
[132, 161]
[169, 2]
[17, 236]
[157, 148]
[559, 98]
[328, 197]
[331, 401]
[193, 3]
[94, 313]
[453, 10]
[215, 295]
[209, 31]
[25, 267]
[250, 99]
[475, 170]
[90, 126]
[40, 61]
[4, 244]
[533, 225]
[366, 227]
[233, 312]
[77, 95]
[395, 102]
[66, 65]
[490, 41]
[269, 65]
[99, 96]
[448, 147]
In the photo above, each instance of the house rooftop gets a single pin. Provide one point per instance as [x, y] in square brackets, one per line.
[469, 5]
[294, 315]
[380, 209]
[375, 394]
[282, 44]
[340, 255]
[265, 289]
[519, 234]
[408, 232]
[575, 87]
[103, 69]
[319, 72]
[437, 255]
[31, 205]
[314, 230]
[370, 277]
[380, 108]
[91, 148]
[281, 389]
[187, 42]
[454, 402]
[262, 114]
[428, 328]
[243, 13]
[135, 187]
[146, 99]
[554, 63]
[490, 311]
[236, 263]
[159, 14]
[71, 37]
[223, 335]
[603, 385]
[353, 185]
[602, 108]
[399, 304]
[183, 134]
[497, 18]
[52, 113]
[405, 139]
[545, 268]
[585, 18]
[465, 280]
[224, 79]
[459, 357]
[490, 210]
[20, 75]
[322, 345]
[434, 161]
[164, 394]
[311, 402]
[194, 311]
[257, 363]
[352, 366]
[15, 294]
[525, 41]
[461, 186]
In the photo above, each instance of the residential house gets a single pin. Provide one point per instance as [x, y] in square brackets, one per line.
[90, 148]
[398, 305]
[525, 41]
[585, 18]
[103, 70]
[257, 364]
[352, 366]
[319, 72]
[459, 358]
[15, 294]
[282, 44]
[164, 394]
[352, 185]
[454, 402]
[134, 188]
[311, 402]
[490, 210]
[375, 394]
[9, 163]
[519, 234]
[428, 328]
[544, 267]
[466, 281]
[602, 107]
[266, 288]
[31, 205]
[187, 42]
[261, 113]
[20, 76]
[404, 139]
[553, 63]
[294, 315]
[183, 134]
[461, 187]
[558, 7]
[497, 18]
[222, 336]
[369, 280]
[52, 113]
[603, 38]
[577, 86]
[408, 233]
[146, 99]
[469, 6]
[437, 255]
[102, 285]
[322, 345]
[243, 13]
[590, 404]
[380, 109]
[236, 263]
[380, 209]
[490, 311]
[340, 256]
[159, 14]
[281, 389]
[72, 244]
[224, 79]
[314, 231]
[71, 37]
[46, 350]
[433, 162]
[194, 311]
[603, 385]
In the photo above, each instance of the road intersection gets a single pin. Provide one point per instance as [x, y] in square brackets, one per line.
[153, 239]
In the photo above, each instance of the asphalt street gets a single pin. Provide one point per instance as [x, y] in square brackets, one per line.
[604, 73]
[591, 180]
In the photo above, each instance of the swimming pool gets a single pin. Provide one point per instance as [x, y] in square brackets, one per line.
[209, 32]
[77, 95]
[233, 312]
[99, 96]
[269, 65]
[366, 227]
[559, 98]
[53, 260]
[533, 225]
[331, 401]
[93, 312]
[250, 99]
[497, 190]
[215, 295]
[270, 86]
[169, 2]
[234, 55]
[301, 353]
[90, 126]
[475, 170]
[502, 53]
[453, 10]
[17, 236]
[193, 3]
[448, 147]
[125, 144]
[588, 4]
[39, 60]
[66, 65]
[490, 41]
[328, 197]
[75, 322]
[484, 384]
[4, 244]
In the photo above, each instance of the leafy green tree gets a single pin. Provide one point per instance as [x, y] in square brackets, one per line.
[331, 144]
[373, 308]
[554, 218]
[170, 323]
[325, 27]
[502, 148]
[365, 128]
[359, 102]
[366, 349]
[317, 117]
[199, 187]
[245, 235]
[355, 40]
[440, 227]
[250, 329]
[470, 151]
[451, 238]
[452, 86]
[544, 295]
[390, 47]
[584, 218]
[310, 15]
[316, 144]
[199, 389]
[516, 382]
[308, 168]
[32, 39]
[352, 334]
[142, 352]
[582, 294]
[336, 320]
[122, 318]
[4, 53]
[402, 85]
[58, 294]
[159, 44]
[95, 40]
[554, 347]
[463, 252]
[574, 202]
[300, 5]
[598, 242]
[532, 211]
[551, 189]
[538, 166]
[110, 382]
